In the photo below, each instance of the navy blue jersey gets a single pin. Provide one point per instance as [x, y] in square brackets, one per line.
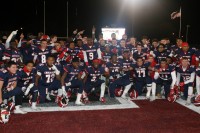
[13, 54]
[180, 54]
[25, 79]
[37, 42]
[122, 49]
[114, 69]
[165, 74]
[114, 49]
[136, 54]
[141, 72]
[186, 75]
[132, 48]
[197, 54]
[72, 73]
[42, 54]
[161, 55]
[47, 74]
[94, 73]
[125, 64]
[91, 51]
[106, 57]
[198, 71]
[8, 79]
[27, 51]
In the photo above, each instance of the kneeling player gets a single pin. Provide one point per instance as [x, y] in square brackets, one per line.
[93, 80]
[165, 75]
[8, 87]
[26, 82]
[47, 78]
[123, 80]
[142, 77]
[72, 78]
[187, 73]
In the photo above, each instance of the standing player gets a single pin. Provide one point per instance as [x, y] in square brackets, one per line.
[185, 51]
[8, 86]
[187, 73]
[42, 52]
[13, 53]
[91, 51]
[47, 78]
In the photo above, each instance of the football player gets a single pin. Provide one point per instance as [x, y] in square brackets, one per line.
[8, 86]
[91, 51]
[165, 75]
[187, 73]
[47, 79]
[124, 80]
[141, 70]
[26, 77]
[72, 78]
[93, 80]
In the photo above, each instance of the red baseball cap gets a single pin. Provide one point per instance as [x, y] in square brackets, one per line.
[185, 44]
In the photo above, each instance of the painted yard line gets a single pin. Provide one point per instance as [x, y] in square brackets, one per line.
[191, 106]
[125, 104]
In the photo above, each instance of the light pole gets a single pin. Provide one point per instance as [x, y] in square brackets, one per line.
[67, 18]
[187, 30]
[44, 17]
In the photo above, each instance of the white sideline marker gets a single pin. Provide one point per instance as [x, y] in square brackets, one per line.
[125, 104]
[191, 106]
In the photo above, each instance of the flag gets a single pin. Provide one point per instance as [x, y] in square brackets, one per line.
[176, 14]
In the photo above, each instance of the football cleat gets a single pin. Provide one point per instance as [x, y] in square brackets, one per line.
[197, 100]
[79, 103]
[102, 99]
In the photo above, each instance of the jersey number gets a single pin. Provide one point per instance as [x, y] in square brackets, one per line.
[50, 78]
[43, 58]
[91, 56]
[141, 73]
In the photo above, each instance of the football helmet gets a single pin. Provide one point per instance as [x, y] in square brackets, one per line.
[4, 114]
[62, 101]
[133, 94]
[171, 98]
[45, 37]
[197, 100]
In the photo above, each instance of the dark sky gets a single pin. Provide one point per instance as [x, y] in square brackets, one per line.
[152, 17]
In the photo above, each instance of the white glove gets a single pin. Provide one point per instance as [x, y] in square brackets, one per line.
[68, 84]
[64, 91]
[23, 89]
[83, 75]
[28, 89]
[56, 70]
[14, 32]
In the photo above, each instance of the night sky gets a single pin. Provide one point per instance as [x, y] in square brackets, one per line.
[151, 18]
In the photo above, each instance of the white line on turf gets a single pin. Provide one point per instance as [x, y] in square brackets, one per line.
[125, 104]
[191, 106]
